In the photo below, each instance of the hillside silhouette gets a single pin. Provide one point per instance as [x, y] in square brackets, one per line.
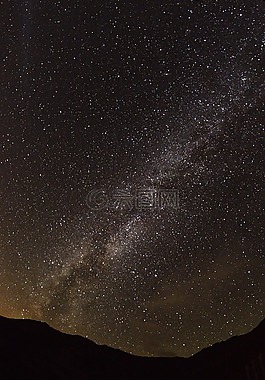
[33, 350]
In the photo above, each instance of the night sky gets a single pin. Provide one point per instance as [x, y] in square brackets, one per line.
[132, 169]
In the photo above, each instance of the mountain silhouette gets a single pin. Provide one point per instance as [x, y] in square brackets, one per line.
[34, 350]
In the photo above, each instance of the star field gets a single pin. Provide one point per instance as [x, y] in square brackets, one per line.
[111, 111]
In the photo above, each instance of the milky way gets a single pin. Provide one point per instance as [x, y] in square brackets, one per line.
[132, 171]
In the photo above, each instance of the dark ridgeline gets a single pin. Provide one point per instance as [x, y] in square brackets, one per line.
[33, 350]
